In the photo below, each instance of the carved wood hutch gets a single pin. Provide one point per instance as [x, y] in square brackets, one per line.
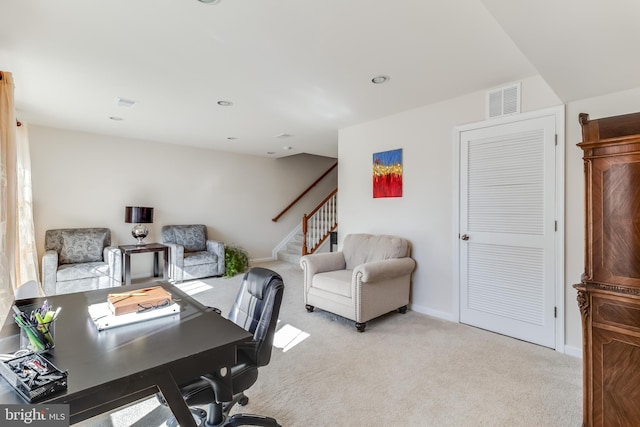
[609, 292]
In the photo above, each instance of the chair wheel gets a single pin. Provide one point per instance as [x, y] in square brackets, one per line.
[243, 401]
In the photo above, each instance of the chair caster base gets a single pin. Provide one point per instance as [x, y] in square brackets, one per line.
[199, 416]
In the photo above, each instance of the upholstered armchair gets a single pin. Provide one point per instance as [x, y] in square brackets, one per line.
[191, 254]
[369, 277]
[79, 259]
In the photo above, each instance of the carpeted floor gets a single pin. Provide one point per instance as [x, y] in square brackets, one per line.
[405, 370]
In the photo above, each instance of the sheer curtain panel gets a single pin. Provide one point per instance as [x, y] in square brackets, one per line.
[18, 258]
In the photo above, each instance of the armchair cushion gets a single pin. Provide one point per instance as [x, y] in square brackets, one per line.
[364, 248]
[82, 246]
[337, 282]
[193, 238]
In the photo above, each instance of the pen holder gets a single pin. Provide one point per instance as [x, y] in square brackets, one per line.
[37, 338]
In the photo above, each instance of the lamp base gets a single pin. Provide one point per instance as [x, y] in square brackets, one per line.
[139, 232]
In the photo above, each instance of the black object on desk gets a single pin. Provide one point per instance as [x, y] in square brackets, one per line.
[112, 368]
[128, 250]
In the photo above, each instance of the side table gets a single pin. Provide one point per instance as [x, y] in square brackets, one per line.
[128, 250]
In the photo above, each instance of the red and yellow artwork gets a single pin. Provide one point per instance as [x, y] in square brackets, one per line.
[387, 174]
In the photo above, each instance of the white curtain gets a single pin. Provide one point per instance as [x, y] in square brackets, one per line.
[18, 258]
[27, 262]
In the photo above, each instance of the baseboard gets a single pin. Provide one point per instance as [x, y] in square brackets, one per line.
[433, 313]
[254, 260]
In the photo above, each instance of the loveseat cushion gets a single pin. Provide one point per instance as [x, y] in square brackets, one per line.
[363, 248]
[80, 246]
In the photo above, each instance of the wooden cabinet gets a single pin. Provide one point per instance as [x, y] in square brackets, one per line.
[609, 292]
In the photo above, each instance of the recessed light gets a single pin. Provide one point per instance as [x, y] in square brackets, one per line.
[231, 138]
[283, 135]
[225, 103]
[271, 152]
[209, 1]
[377, 80]
[124, 102]
[115, 118]
[287, 148]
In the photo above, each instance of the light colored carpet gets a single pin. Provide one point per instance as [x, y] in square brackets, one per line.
[405, 370]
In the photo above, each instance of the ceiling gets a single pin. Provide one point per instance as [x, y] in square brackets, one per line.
[295, 71]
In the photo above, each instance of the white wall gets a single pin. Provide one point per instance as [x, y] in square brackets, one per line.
[603, 106]
[86, 180]
[424, 214]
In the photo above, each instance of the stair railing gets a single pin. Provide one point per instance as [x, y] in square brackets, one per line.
[277, 217]
[318, 225]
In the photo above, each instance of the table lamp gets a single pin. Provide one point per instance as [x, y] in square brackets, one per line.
[138, 215]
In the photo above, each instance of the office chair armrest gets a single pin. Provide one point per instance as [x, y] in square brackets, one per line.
[220, 390]
[386, 269]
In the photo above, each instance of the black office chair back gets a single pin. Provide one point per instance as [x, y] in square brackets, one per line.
[256, 309]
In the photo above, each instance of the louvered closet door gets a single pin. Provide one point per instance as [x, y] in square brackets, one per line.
[507, 280]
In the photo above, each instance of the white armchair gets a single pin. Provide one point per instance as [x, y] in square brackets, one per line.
[370, 277]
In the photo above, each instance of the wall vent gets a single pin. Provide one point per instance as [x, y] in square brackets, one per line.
[503, 101]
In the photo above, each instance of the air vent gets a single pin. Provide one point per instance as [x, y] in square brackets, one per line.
[503, 101]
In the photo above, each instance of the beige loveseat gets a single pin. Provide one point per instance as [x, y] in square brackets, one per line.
[371, 276]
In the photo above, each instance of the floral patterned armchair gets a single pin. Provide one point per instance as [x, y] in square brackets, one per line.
[80, 259]
[191, 254]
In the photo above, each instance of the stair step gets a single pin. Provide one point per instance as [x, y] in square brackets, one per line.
[291, 257]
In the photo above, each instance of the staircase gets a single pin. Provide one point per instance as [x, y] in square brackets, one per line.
[316, 227]
[292, 252]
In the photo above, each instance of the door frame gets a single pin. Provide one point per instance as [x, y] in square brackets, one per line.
[559, 114]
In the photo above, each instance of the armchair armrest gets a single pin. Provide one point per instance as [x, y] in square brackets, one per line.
[327, 261]
[385, 269]
[218, 249]
[319, 263]
[113, 257]
[176, 254]
[49, 270]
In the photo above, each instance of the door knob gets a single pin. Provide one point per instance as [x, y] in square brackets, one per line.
[465, 237]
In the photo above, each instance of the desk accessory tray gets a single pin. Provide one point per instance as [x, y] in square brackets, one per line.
[33, 376]
[139, 300]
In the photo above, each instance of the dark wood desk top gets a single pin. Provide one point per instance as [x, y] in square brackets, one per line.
[123, 364]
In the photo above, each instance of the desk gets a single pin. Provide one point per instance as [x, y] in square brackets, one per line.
[118, 366]
[128, 250]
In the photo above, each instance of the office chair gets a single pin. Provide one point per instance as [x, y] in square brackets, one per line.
[256, 309]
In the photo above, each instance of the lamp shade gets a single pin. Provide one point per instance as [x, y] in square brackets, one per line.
[138, 215]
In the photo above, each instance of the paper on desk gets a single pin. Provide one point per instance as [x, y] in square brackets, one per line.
[103, 318]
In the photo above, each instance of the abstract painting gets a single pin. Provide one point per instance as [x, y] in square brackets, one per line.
[387, 174]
